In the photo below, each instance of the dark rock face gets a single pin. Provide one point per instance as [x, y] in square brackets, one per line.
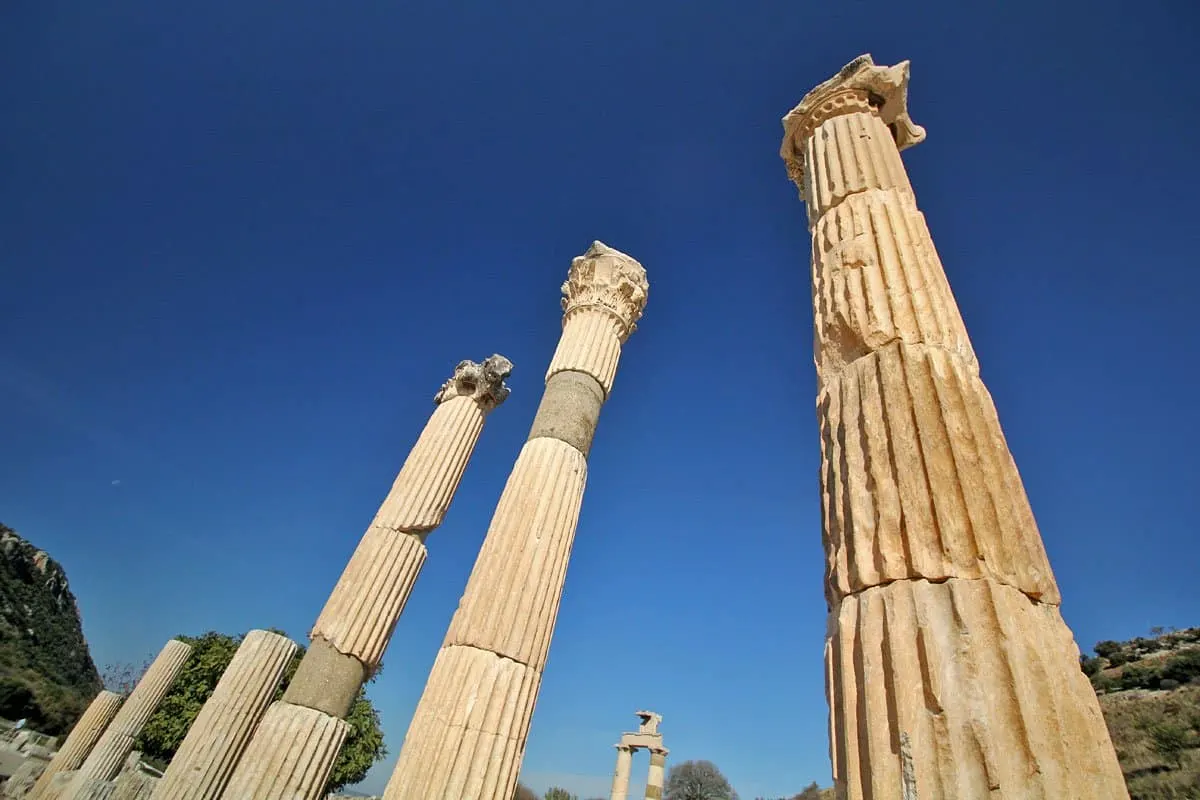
[46, 672]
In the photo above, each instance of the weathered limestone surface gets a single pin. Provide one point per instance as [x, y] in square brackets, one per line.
[950, 672]
[654, 778]
[353, 630]
[290, 756]
[24, 777]
[620, 785]
[116, 743]
[467, 738]
[81, 740]
[205, 759]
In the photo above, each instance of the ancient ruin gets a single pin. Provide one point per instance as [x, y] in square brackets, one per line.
[944, 627]
[297, 742]
[467, 737]
[81, 740]
[647, 737]
[205, 759]
[116, 743]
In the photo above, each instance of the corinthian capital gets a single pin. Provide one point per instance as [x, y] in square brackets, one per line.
[483, 383]
[860, 86]
[610, 280]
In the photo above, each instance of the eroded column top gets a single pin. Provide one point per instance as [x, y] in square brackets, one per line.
[607, 279]
[860, 86]
[483, 383]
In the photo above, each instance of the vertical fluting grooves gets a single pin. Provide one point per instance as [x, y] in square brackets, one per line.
[468, 733]
[511, 600]
[206, 758]
[877, 279]
[361, 613]
[115, 744]
[290, 757]
[848, 154]
[654, 776]
[917, 480]
[81, 740]
[426, 483]
[1003, 720]
[590, 343]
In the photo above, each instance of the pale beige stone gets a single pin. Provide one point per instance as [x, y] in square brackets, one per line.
[620, 785]
[467, 738]
[472, 735]
[290, 757]
[950, 672]
[24, 777]
[354, 628]
[116, 743]
[80, 741]
[205, 759]
[655, 777]
[984, 682]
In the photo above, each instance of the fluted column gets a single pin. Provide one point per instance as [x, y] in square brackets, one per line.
[949, 670]
[114, 746]
[620, 784]
[206, 758]
[467, 737]
[293, 751]
[80, 741]
[655, 777]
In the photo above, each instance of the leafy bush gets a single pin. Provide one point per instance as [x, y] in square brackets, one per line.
[1091, 665]
[1108, 648]
[1183, 667]
[1168, 684]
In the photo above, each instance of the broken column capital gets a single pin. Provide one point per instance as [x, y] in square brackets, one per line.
[607, 279]
[859, 87]
[483, 383]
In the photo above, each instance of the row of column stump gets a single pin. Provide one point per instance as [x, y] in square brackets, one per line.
[949, 670]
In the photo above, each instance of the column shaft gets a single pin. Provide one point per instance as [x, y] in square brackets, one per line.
[655, 777]
[205, 760]
[114, 746]
[80, 741]
[620, 784]
[354, 628]
[950, 672]
[467, 737]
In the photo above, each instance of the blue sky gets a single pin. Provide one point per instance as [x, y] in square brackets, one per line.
[243, 243]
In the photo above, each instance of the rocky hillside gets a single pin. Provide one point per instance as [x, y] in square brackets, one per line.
[46, 672]
[1149, 691]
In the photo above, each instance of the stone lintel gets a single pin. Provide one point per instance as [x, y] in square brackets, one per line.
[482, 382]
[641, 740]
[326, 680]
[861, 85]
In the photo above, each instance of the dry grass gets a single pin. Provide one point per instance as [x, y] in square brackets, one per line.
[1133, 717]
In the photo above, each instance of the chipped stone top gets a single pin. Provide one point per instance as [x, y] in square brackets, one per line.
[483, 383]
[861, 85]
[607, 278]
[650, 721]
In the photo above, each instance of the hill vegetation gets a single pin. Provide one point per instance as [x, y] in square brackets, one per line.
[46, 672]
[1149, 692]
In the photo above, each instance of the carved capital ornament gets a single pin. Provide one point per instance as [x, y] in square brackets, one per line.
[608, 279]
[859, 87]
[483, 383]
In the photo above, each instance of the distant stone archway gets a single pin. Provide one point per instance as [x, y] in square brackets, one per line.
[647, 737]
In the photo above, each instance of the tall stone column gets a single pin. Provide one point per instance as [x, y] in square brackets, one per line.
[655, 777]
[114, 746]
[81, 740]
[620, 784]
[467, 737]
[206, 758]
[949, 670]
[295, 746]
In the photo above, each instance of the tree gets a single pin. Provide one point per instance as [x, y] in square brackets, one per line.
[698, 780]
[811, 792]
[558, 793]
[1107, 648]
[211, 654]
[524, 793]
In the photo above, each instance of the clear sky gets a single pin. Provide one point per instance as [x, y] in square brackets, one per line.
[242, 244]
